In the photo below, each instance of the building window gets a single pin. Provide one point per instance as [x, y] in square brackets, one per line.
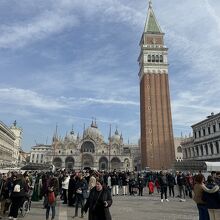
[195, 135]
[199, 133]
[203, 132]
[179, 149]
[149, 58]
[209, 130]
[161, 58]
[153, 58]
[157, 58]
[214, 128]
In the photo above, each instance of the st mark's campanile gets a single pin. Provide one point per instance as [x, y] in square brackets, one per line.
[157, 144]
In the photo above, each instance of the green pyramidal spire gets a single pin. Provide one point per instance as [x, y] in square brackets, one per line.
[151, 24]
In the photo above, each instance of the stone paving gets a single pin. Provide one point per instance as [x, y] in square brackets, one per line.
[128, 208]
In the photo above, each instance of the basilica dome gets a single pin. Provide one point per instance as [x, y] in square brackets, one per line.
[116, 137]
[93, 131]
[71, 136]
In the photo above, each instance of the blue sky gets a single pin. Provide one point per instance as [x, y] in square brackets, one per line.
[66, 61]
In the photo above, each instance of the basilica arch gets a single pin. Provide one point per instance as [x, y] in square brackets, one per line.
[115, 163]
[103, 163]
[87, 160]
[69, 163]
[57, 162]
[88, 146]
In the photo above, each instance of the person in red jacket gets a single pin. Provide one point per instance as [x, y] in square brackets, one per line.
[151, 187]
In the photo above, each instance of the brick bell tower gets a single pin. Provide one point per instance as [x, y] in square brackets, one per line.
[157, 144]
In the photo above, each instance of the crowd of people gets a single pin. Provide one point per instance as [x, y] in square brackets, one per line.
[92, 191]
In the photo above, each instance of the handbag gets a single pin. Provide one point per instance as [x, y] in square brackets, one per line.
[85, 194]
[51, 197]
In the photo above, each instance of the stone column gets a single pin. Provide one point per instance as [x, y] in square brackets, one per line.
[192, 152]
[184, 153]
[218, 146]
[209, 149]
[200, 150]
[214, 148]
[204, 151]
[189, 153]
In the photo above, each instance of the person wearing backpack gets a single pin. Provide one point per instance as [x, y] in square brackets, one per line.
[17, 196]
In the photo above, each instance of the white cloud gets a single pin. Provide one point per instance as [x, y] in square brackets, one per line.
[108, 101]
[21, 97]
[21, 34]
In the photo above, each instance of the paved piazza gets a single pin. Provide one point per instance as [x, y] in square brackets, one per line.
[129, 208]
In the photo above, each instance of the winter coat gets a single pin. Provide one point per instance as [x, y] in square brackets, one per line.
[141, 183]
[65, 182]
[199, 190]
[171, 180]
[124, 180]
[181, 180]
[115, 179]
[212, 199]
[95, 204]
[162, 181]
[54, 185]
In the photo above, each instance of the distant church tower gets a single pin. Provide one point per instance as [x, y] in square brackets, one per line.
[157, 144]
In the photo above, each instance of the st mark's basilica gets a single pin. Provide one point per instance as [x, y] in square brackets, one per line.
[90, 150]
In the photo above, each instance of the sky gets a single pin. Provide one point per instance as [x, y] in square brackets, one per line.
[65, 62]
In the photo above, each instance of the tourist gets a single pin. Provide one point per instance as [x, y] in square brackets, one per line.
[72, 189]
[4, 195]
[163, 185]
[199, 189]
[115, 183]
[171, 183]
[65, 184]
[151, 187]
[99, 202]
[51, 194]
[212, 199]
[181, 182]
[81, 188]
[92, 179]
[124, 183]
[17, 196]
[141, 185]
